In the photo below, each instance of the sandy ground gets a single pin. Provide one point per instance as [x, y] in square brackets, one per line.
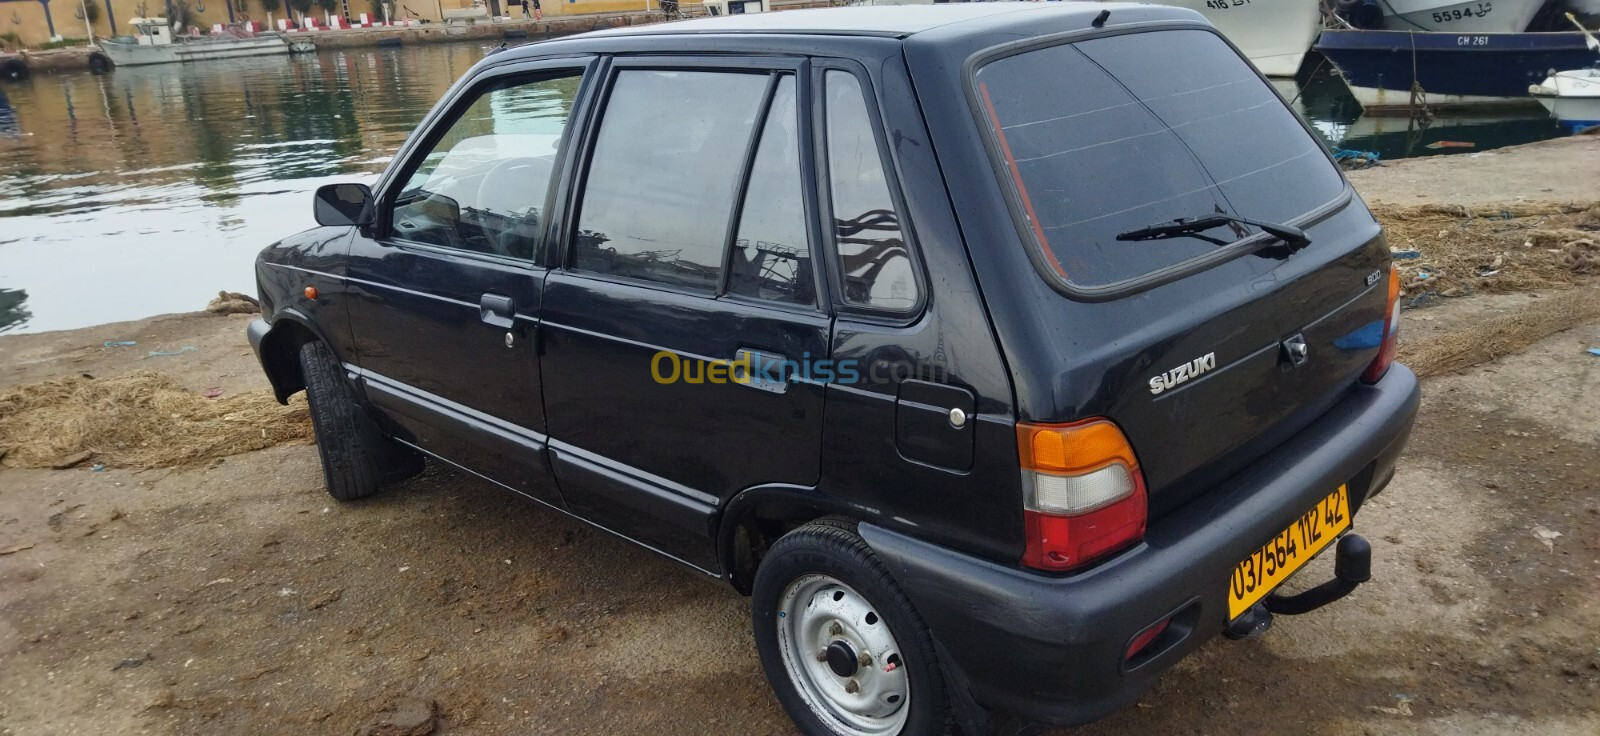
[238, 598]
[1559, 170]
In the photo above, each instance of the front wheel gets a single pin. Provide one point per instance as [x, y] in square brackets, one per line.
[844, 650]
[357, 459]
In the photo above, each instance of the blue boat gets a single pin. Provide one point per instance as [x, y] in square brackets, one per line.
[1449, 70]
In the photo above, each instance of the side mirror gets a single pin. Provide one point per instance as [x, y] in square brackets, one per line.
[344, 205]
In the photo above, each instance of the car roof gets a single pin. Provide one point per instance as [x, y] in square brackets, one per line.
[898, 21]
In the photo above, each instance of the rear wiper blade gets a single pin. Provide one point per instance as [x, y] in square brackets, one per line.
[1293, 238]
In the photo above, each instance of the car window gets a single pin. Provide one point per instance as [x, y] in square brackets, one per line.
[664, 175]
[875, 264]
[771, 256]
[482, 186]
[1111, 134]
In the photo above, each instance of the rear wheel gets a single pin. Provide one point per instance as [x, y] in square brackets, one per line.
[357, 459]
[842, 647]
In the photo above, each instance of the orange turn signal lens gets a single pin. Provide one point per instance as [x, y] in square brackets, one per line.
[1073, 448]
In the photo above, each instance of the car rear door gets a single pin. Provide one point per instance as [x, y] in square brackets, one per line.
[678, 331]
[446, 288]
[1207, 348]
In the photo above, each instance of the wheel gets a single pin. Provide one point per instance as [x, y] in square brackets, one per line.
[844, 650]
[357, 459]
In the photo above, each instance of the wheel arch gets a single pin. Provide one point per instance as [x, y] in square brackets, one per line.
[755, 518]
[280, 352]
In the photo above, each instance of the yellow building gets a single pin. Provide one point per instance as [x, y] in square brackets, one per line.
[34, 22]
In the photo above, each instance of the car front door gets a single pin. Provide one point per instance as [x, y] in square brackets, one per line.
[688, 263]
[447, 288]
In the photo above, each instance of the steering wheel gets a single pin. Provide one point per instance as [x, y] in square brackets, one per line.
[512, 192]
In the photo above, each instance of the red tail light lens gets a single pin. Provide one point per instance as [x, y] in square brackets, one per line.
[1083, 493]
[1391, 333]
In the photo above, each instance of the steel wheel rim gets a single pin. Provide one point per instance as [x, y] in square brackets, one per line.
[823, 623]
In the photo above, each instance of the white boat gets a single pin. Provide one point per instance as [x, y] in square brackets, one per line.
[153, 44]
[1452, 16]
[1274, 34]
[1573, 97]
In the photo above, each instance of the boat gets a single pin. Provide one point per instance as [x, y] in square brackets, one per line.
[153, 43]
[1445, 16]
[1396, 71]
[1573, 97]
[1274, 34]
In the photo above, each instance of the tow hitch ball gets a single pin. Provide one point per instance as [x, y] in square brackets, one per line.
[1352, 566]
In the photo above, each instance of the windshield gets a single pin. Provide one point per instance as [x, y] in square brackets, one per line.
[1116, 133]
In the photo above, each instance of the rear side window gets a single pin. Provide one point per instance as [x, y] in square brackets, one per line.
[1111, 134]
[664, 176]
[874, 262]
[771, 256]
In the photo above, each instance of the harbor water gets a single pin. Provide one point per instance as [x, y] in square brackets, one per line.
[147, 190]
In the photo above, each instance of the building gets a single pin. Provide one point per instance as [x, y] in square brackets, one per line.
[35, 22]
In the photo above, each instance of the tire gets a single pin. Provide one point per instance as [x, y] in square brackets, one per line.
[820, 587]
[99, 63]
[357, 459]
[14, 70]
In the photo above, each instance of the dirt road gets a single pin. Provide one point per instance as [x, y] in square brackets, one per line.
[238, 598]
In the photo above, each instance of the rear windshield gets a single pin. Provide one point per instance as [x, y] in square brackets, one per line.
[1115, 133]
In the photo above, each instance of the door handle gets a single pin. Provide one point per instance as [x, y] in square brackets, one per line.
[760, 370]
[496, 310]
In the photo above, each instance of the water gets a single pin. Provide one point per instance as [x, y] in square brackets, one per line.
[148, 190]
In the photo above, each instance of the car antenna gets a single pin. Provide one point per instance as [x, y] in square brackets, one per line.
[1100, 20]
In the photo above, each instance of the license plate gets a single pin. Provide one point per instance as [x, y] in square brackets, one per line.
[1255, 576]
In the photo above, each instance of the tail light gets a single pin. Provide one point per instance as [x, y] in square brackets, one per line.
[1083, 493]
[1391, 333]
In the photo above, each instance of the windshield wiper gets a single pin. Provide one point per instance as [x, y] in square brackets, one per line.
[1293, 238]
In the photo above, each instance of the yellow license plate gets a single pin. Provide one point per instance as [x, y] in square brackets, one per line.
[1255, 576]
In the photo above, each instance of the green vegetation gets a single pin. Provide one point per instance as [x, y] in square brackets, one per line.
[63, 43]
[91, 11]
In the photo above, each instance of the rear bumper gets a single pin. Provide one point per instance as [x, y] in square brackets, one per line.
[1052, 649]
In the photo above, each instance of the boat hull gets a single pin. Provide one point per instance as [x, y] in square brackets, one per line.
[1571, 97]
[1448, 16]
[1573, 113]
[1451, 70]
[127, 54]
[1274, 34]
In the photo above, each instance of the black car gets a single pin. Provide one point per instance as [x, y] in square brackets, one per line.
[1003, 353]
